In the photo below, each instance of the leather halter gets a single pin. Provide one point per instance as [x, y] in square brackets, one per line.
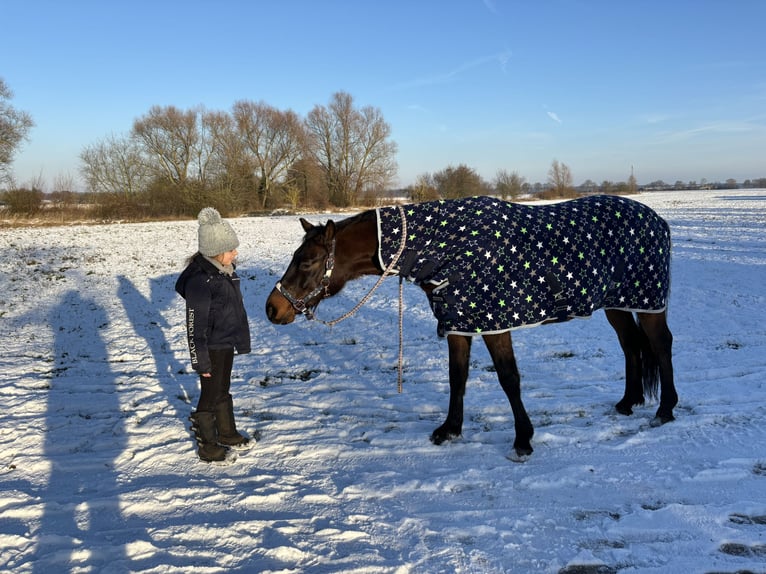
[301, 305]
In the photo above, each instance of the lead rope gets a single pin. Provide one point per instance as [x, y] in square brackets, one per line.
[401, 337]
[386, 273]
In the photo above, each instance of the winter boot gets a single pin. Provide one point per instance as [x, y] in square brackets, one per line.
[227, 428]
[203, 425]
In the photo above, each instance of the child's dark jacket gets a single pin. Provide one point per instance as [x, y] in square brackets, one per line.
[215, 313]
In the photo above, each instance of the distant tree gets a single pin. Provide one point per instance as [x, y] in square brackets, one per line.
[213, 127]
[23, 201]
[307, 177]
[607, 186]
[679, 184]
[588, 186]
[560, 180]
[731, 183]
[169, 135]
[14, 129]
[273, 141]
[632, 184]
[508, 185]
[621, 187]
[115, 164]
[423, 189]
[63, 183]
[229, 172]
[353, 147]
[461, 181]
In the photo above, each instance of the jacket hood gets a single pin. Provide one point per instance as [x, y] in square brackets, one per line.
[197, 265]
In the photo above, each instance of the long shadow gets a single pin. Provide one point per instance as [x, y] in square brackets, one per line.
[145, 314]
[82, 527]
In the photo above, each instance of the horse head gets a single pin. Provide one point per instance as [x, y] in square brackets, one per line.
[308, 279]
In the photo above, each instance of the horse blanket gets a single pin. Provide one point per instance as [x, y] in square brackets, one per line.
[495, 266]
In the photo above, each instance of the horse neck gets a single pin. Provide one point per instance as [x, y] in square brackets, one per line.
[356, 249]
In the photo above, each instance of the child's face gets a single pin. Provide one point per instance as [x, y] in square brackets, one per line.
[227, 257]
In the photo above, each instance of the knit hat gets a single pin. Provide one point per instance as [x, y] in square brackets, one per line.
[215, 235]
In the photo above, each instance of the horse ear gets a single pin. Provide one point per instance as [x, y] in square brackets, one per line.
[329, 230]
[306, 225]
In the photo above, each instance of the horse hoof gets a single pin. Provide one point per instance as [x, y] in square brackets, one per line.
[625, 406]
[659, 421]
[516, 456]
[442, 438]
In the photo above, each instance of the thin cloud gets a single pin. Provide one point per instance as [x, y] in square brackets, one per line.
[490, 5]
[656, 118]
[503, 58]
[418, 108]
[554, 116]
[447, 77]
[719, 128]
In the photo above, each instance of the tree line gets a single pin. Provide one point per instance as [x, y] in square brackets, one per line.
[252, 158]
[256, 157]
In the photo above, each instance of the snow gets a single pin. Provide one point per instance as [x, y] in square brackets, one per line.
[98, 471]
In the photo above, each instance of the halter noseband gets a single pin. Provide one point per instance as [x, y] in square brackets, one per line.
[301, 304]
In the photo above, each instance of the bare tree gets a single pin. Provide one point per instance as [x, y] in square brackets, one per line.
[212, 126]
[589, 186]
[63, 183]
[170, 137]
[273, 141]
[423, 189]
[228, 169]
[116, 165]
[560, 179]
[306, 178]
[353, 147]
[14, 129]
[460, 181]
[509, 185]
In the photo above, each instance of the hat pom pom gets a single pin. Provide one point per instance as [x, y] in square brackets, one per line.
[209, 216]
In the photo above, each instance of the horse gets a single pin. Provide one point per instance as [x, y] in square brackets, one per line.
[488, 266]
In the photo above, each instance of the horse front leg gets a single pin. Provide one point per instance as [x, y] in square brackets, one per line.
[500, 348]
[459, 354]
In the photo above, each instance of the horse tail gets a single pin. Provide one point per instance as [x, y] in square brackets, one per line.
[650, 366]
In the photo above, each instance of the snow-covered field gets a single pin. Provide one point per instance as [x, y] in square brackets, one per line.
[98, 472]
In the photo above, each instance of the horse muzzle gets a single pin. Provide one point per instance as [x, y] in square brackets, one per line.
[278, 309]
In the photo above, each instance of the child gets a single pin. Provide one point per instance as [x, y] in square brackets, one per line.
[216, 327]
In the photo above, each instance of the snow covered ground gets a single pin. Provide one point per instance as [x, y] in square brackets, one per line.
[98, 472]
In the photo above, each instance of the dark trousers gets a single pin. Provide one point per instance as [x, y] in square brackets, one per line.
[215, 388]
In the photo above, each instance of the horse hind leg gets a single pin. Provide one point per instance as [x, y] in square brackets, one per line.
[500, 348]
[660, 340]
[630, 337]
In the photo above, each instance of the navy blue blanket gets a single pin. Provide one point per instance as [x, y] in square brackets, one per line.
[498, 265]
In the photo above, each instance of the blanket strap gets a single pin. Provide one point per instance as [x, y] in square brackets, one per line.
[560, 300]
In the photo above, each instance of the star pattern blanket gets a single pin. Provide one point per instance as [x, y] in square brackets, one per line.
[497, 266]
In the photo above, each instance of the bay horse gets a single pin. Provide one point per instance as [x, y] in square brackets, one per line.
[488, 266]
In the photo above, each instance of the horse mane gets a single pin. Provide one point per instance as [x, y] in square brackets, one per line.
[357, 235]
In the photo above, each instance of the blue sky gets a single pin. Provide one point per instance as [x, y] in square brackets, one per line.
[674, 89]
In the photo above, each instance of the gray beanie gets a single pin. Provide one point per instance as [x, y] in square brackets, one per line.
[215, 235]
